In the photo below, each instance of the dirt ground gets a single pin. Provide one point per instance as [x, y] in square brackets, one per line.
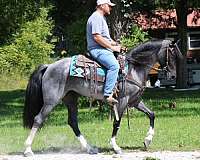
[161, 155]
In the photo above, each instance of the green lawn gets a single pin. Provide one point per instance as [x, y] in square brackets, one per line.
[175, 129]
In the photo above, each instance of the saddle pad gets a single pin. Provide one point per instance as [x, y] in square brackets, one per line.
[81, 67]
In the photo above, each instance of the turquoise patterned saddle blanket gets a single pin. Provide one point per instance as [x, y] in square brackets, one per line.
[84, 67]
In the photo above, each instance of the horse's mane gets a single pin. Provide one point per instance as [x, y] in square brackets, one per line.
[143, 51]
[146, 46]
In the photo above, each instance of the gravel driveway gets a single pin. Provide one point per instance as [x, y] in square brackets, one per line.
[162, 155]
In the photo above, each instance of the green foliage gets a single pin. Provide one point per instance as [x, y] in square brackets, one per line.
[76, 35]
[30, 47]
[136, 5]
[134, 37]
[13, 13]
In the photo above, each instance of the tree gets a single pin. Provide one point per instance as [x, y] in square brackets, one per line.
[182, 72]
[120, 21]
[182, 7]
[13, 14]
[116, 20]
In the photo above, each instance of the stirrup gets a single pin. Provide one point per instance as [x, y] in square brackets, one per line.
[113, 102]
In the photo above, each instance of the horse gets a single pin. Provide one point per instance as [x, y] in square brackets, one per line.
[50, 84]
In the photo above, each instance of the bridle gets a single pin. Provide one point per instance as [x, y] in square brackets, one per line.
[165, 68]
[178, 53]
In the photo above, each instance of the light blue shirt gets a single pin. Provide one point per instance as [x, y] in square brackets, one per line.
[96, 24]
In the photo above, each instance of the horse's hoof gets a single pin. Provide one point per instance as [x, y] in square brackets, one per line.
[28, 154]
[119, 151]
[145, 147]
[117, 156]
[93, 150]
[147, 142]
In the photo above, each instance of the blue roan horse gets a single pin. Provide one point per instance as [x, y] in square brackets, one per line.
[51, 84]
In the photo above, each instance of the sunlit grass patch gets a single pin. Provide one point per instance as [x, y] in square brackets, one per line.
[175, 128]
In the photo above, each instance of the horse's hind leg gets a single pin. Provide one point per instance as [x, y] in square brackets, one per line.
[38, 120]
[29, 141]
[148, 139]
[70, 101]
[49, 104]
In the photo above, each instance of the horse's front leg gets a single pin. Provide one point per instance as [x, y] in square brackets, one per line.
[149, 137]
[116, 125]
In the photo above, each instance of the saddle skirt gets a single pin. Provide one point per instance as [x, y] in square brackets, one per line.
[84, 67]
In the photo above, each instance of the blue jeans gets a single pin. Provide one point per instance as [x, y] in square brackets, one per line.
[108, 60]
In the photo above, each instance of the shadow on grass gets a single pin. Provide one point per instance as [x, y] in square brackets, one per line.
[11, 96]
[170, 94]
[12, 104]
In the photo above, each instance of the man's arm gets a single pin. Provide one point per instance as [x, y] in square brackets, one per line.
[106, 44]
[114, 43]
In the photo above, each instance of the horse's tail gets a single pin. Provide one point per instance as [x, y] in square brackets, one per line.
[33, 97]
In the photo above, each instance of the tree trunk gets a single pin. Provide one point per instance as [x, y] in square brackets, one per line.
[117, 22]
[182, 71]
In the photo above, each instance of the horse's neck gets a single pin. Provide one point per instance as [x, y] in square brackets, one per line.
[140, 72]
[136, 73]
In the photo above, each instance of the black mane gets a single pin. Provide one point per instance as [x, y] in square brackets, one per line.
[142, 52]
[146, 47]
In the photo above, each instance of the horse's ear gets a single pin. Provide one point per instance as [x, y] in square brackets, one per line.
[178, 51]
[174, 43]
[177, 42]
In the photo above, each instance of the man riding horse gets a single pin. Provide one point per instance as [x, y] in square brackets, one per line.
[101, 46]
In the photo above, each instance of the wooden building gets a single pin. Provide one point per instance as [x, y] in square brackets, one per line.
[162, 24]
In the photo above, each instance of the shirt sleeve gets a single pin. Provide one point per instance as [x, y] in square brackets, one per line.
[96, 25]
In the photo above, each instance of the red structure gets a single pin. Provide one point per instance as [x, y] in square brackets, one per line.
[164, 19]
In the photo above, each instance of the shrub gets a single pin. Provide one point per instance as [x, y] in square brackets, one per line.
[134, 37]
[30, 47]
[13, 13]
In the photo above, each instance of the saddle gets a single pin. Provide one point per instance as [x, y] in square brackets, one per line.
[85, 67]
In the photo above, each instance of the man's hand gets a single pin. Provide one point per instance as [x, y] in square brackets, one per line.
[116, 48]
[124, 49]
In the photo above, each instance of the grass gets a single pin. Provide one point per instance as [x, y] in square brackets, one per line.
[175, 128]
[12, 81]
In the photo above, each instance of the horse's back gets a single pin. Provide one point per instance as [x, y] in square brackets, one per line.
[59, 67]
